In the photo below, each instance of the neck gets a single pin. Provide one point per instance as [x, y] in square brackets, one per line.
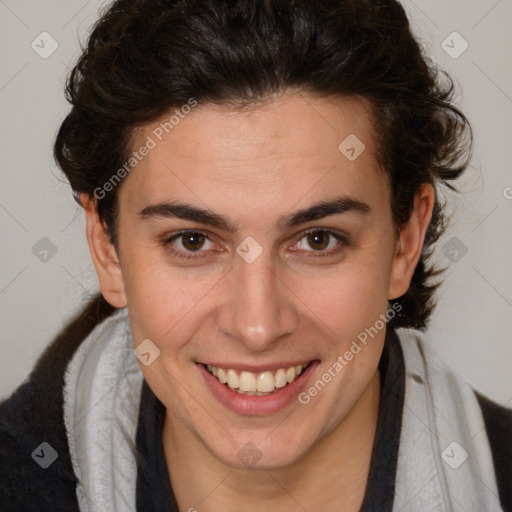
[334, 471]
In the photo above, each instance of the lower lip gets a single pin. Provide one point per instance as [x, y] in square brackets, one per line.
[257, 405]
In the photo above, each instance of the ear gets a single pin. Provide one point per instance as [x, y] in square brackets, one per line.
[103, 255]
[410, 241]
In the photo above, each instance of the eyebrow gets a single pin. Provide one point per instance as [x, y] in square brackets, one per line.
[180, 210]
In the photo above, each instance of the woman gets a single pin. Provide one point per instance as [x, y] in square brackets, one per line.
[260, 182]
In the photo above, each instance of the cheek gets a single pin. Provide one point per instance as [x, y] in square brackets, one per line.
[341, 313]
[163, 299]
[349, 297]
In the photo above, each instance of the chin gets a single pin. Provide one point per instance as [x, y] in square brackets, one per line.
[263, 451]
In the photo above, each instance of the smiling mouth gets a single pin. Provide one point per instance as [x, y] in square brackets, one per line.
[257, 384]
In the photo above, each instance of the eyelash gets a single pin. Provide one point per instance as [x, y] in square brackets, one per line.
[316, 254]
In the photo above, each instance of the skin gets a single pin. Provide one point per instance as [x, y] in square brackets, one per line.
[256, 168]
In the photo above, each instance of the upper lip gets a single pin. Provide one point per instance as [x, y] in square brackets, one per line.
[259, 368]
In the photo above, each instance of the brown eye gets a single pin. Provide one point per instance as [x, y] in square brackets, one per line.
[321, 242]
[186, 243]
[318, 240]
[193, 241]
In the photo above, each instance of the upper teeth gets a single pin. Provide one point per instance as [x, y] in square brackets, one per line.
[256, 383]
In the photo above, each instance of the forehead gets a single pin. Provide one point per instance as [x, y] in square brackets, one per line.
[286, 149]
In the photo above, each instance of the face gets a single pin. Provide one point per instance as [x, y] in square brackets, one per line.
[252, 246]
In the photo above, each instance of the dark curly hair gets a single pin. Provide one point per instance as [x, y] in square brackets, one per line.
[147, 57]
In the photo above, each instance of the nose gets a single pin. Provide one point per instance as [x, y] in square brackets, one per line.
[260, 310]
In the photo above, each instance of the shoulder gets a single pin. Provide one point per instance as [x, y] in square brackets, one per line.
[497, 419]
[27, 485]
[35, 467]
[498, 424]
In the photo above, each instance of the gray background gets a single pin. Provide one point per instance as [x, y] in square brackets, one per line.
[472, 326]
